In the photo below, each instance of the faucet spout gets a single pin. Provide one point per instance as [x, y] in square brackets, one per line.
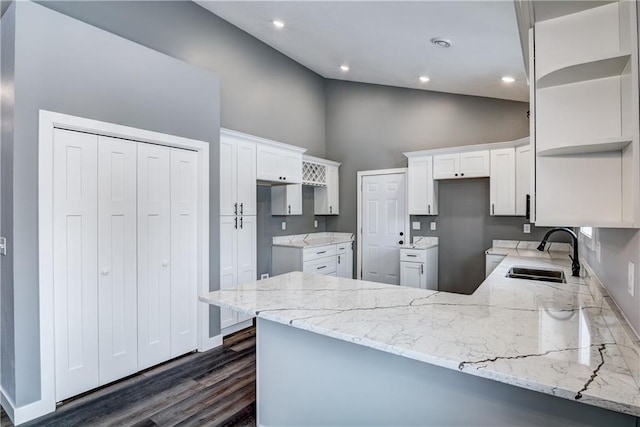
[575, 263]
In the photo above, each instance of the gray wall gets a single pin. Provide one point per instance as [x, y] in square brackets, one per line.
[617, 248]
[465, 230]
[263, 92]
[70, 67]
[269, 226]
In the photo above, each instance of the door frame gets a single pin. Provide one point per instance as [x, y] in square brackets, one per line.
[407, 227]
[49, 121]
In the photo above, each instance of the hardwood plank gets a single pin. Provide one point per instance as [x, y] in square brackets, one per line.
[243, 345]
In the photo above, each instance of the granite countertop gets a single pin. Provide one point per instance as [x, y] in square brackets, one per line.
[311, 240]
[567, 340]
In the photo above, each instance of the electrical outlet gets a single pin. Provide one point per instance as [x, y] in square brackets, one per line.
[433, 226]
[284, 225]
[598, 251]
[3, 246]
[630, 278]
[315, 223]
[264, 276]
[526, 229]
[415, 225]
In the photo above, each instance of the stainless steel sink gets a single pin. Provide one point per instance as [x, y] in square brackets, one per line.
[544, 275]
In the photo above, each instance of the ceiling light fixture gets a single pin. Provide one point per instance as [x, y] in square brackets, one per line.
[278, 24]
[424, 79]
[440, 42]
[344, 67]
[508, 79]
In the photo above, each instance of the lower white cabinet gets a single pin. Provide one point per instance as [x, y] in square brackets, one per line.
[286, 199]
[125, 264]
[335, 259]
[344, 253]
[491, 262]
[419, 267]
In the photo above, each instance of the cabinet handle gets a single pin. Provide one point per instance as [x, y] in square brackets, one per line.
[235, 208]
[456, 174]
[493, 209]
[429, 208]
[421, 268]
[289, 208]
[461, 174]
[412, 255]
[241, 208]
[338, 259]
[330, 209]
[321, 252]
[240, 222]
[320, 268]
[285, 178]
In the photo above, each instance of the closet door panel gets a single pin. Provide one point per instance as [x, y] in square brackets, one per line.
[154, 270]
[184, 253]
[117, 264]
[75, 212]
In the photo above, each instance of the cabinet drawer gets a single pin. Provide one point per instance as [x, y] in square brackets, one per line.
[319, 252]
[326, 265]
[413, 255]
[341, 248]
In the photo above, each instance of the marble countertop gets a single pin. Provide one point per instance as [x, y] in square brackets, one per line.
[567, 340]
[311, 240]
[421, 242]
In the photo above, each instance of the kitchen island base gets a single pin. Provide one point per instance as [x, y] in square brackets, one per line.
[306, 379]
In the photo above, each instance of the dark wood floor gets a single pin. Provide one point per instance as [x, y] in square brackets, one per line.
[216, 388]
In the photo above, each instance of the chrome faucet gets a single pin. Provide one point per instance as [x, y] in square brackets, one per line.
[575, 263]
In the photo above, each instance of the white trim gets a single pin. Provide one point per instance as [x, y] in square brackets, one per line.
[22, 414]
[468, 148]
[48, 122]
[407, 227]
[260, 140]
[320, 160]
[210, 343]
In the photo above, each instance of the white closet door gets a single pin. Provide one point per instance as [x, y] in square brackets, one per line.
[154, 270]
[117, 265]
[75, 276]
[247, 257]
[184, 253]
[228, 263]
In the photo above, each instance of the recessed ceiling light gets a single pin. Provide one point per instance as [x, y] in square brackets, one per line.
[278, 24]
[508, 79]
[441, 42]
[344, 67]
[424, 79]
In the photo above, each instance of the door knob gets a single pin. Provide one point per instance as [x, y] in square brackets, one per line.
[401, 242]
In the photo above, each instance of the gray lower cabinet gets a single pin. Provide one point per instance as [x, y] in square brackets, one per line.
[335, 259]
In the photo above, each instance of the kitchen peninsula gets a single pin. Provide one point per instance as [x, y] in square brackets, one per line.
[515, 352]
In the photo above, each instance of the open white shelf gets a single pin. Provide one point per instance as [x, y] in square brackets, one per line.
[599, 68]
[584, 147]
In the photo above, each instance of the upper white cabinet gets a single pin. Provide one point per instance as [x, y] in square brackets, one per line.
[286, 199]
[324, 175]
[503, 182]
[237, 175]
[585, 111]
[469, 164]
[423, 190]
[279, 163]
[523, 178]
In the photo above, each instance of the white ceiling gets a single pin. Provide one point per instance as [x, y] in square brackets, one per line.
[388, 42]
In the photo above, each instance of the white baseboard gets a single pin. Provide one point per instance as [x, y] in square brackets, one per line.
[23, 414]
[8, 405]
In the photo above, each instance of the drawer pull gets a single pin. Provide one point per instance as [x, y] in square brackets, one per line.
[320, 268]
[412, 255]
[321, 252]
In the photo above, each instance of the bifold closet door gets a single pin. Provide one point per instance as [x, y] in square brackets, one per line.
[75, 279]
[184, 251]
[154, 254]
[117, 264]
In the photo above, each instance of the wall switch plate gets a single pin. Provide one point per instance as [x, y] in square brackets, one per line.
[284, 225]
[526, 229]
[432, 226]
[598, 251]
[3, 245]
[630, 278]
[264, 276]
[315, 223]
[415, 225]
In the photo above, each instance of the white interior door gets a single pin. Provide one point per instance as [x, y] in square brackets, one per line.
[228, 264]
[75, 276]
[117, 264]
[154, 240]
[184, 254]
[383, 221]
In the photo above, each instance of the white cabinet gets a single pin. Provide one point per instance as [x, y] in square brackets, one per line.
[503, 182]
[326, 200]
[278, 164]
[423, 190]
[237, 175]
[523, 178]
[238, 260]
[491, 262]
[344, 253]
[469, 164]
[286, 199]
[419, 267]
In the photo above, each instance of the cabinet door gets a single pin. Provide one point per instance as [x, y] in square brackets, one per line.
[523, 178]
[228, 265]
[246, 178]
[228, 175]
[247, 254]
[291, 166]
[446, 166]
[421, 186]
[286, 199]
[411, 274]
[184, 251]
[333, 189]
[502, 185]
[154, 243]
[474, 164]
[117, 259]
[75, 270]
[345, 262]
[491, 262]
[268, 163]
